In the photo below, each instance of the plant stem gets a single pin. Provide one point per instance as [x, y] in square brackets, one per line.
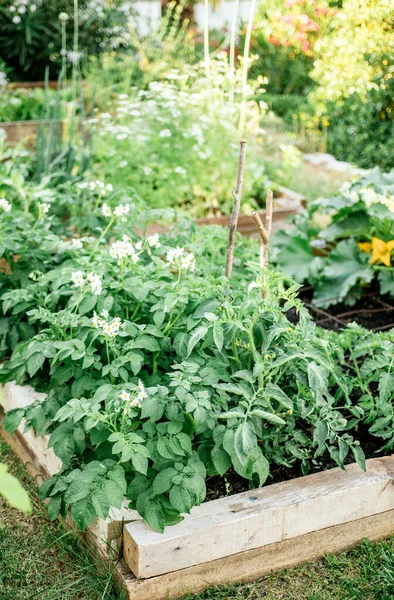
[245, 65]
[236, 206]
[232, 47]
[206, 39]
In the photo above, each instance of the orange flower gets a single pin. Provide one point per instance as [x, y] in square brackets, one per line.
[380, 250]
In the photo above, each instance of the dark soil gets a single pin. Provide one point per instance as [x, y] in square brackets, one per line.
[372, 312]
[232, 483]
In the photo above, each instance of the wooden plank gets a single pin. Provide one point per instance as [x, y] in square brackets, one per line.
[253, 564]
[260, 517]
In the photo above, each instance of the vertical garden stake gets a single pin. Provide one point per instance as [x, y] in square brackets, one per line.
[236, 205]
[265, 230]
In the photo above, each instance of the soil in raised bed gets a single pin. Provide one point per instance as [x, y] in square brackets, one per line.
[232, 483]
[373, 312]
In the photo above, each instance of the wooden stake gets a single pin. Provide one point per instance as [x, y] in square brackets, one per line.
[265, 229]
[236, 205]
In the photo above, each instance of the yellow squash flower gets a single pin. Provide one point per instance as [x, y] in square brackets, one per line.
[380, 250]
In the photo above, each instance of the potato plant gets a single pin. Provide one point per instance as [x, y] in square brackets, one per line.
[161, 372]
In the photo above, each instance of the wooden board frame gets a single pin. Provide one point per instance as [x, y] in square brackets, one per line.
[256, 562]
[286, 203]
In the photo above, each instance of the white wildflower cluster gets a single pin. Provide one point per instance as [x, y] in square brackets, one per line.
[44, 207]
[123, 249]
[119, 211]
[5, 205]
[20, 8]
[92, 280]
[182, 259]
[96, 186]
[109, 327]
[140, 396]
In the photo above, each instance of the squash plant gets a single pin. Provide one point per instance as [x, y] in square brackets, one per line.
[344, 243]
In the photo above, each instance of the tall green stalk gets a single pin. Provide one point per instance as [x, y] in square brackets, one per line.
[206, 38]
[245, 65]
[234, 27]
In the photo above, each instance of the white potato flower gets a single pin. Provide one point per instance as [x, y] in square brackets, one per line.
[124, 396]
[95, 283]
[5, 205]
[78, 278]
[153, 241]
[106, 210]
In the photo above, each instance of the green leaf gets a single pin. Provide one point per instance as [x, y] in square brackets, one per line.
[34, 363]
[359, 456]
[386, 386]
[386, 280]
[12, 490]
[13, 419]
[267, 416]
[345, 267]
[101, 503]
[245, 441]
[163, 481]
[221, 460]
[261, 467]
[87, 304]
[296, 259]
[318, 380]
[114, 493]
[76, 491]
[218, 336]
[180, 499]
[197, 335]
[273, 391]
[207, 306]
[320, 433]
[155, 517]
[83, 513]
[54, 507]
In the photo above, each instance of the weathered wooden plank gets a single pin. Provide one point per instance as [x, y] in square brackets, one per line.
[260, 517]
[250, 565]
[41, 462]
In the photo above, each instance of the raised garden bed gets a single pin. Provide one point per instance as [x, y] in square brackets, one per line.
[21, 131]
[237, 538]
[286, 203]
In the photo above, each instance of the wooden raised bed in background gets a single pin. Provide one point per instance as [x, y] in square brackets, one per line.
[24, 131]
[286, 203]
[233, 539]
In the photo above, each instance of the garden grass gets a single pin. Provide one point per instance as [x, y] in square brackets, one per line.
[40, 561]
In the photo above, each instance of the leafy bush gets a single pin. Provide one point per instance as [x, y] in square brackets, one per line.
[342, 244]
[284, 40]
[31, 36]
[354, 72]
[24, 104]
[176, 143]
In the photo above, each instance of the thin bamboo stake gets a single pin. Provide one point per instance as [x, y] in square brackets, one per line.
[236, 206]
[265, 229]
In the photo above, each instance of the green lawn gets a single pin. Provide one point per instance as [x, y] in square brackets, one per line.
[39, 560]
